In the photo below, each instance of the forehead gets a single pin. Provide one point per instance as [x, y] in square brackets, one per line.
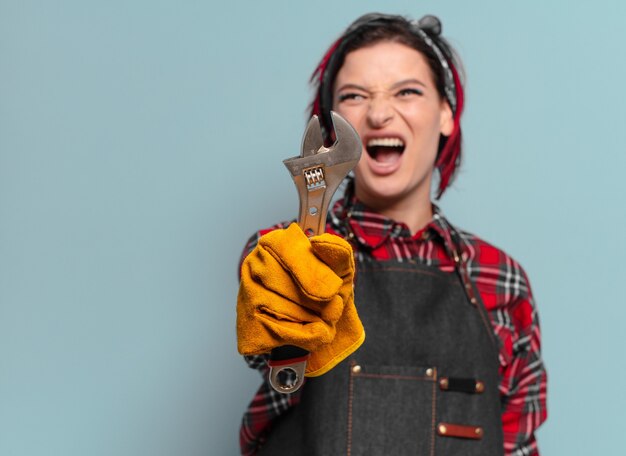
[383, 63]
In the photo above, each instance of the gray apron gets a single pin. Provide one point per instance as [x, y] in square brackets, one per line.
[425, 381]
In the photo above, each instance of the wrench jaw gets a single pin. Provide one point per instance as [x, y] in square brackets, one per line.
[312, 141]
[348, 143]
[346, 149]
[317, 173]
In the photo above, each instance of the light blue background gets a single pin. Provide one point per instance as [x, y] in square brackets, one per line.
[141, 144]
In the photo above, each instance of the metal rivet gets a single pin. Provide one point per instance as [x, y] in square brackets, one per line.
[443, 383]
[356, 369]
[473, 300]
[429, 372]
[480, 387]
[478, 431]
[442, 429]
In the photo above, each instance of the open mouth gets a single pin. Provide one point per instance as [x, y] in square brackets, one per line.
[385, 150]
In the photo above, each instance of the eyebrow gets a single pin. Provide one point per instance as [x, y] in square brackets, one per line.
[408, 81]
[395, 85]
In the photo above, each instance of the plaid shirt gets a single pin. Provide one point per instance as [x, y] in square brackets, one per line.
[503, 287]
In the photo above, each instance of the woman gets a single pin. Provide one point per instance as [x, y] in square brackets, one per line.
[451, 362]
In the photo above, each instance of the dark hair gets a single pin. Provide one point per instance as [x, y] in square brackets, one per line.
[424, 37]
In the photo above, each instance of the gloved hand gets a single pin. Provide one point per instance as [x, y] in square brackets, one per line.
[299, 291]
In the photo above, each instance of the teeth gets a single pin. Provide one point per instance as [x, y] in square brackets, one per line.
[385, 142]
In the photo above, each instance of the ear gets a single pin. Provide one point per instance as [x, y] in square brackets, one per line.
[446, 119]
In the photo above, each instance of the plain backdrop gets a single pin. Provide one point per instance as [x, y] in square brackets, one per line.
[141, 145]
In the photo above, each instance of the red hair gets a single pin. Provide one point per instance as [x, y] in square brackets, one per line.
[449, 157]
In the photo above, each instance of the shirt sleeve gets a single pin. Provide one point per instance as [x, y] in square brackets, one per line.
[523, 376]
[266, 406]
[507, 296]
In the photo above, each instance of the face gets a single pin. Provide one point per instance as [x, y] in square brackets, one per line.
[387, 92]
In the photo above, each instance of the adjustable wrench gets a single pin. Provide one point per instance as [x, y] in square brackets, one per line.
[317, 173]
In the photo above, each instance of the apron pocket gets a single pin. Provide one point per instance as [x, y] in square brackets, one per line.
[391, 410]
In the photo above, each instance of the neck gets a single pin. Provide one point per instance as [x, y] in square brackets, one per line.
[416, 218]
[415, 212]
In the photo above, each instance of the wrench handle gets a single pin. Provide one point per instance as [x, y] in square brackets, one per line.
[290, 361]
[317, 173]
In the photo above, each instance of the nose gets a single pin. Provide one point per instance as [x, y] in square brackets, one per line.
[380, 112]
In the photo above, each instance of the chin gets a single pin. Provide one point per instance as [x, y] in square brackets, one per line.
[379, 193]
[382, 191]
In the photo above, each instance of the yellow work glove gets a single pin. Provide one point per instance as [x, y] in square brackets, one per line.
[299, 291]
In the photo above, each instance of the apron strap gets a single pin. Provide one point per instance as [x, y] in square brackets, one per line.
[455, 249]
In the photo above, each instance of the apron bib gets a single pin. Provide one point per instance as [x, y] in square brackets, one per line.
[424, 382]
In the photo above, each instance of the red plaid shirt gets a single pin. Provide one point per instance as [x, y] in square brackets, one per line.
[504, 289]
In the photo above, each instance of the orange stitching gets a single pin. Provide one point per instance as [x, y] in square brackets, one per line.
[439, 274]
[394, 377]
[432, 429]
[480, 307]
[350, 393]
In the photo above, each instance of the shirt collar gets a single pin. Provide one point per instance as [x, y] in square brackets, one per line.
[352, 218]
